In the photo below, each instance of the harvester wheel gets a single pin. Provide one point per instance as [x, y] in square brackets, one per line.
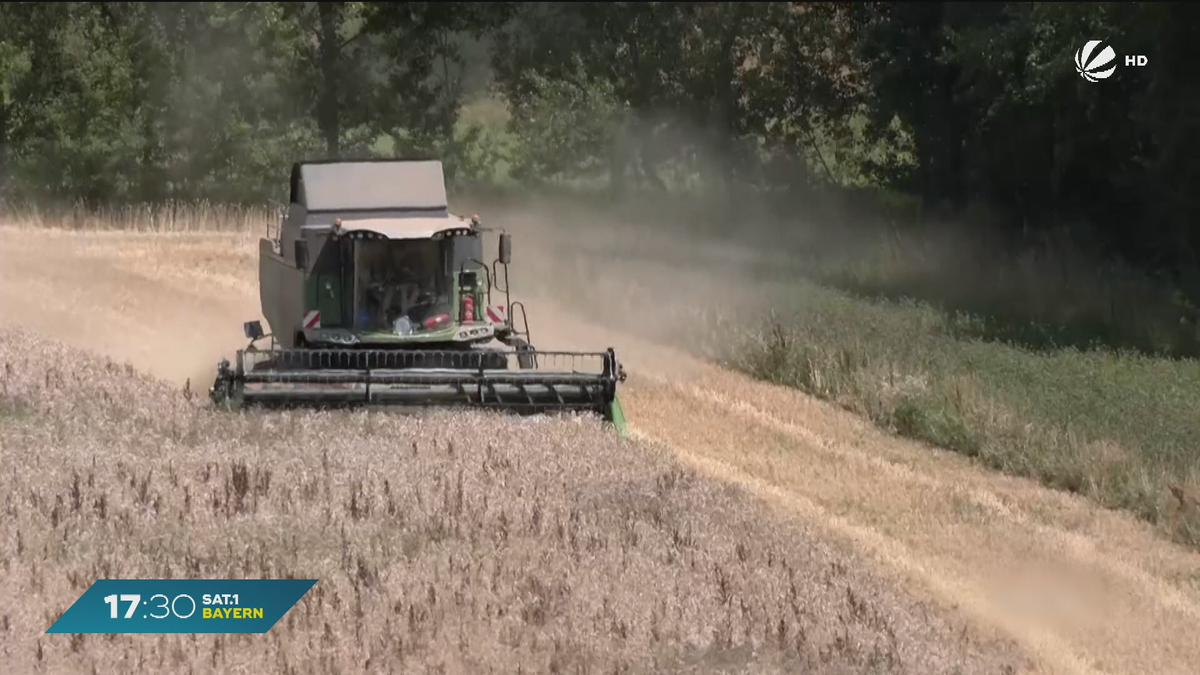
[233, 403]
[225, 392]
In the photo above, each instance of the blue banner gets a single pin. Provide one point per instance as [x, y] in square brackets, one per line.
[182, 606]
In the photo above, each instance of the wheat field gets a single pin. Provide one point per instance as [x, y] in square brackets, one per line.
[452, 543]
[746, 527]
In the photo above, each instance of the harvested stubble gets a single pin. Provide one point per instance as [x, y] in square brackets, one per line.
[446, 542]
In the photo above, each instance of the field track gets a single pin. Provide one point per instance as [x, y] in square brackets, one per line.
[1076, 588]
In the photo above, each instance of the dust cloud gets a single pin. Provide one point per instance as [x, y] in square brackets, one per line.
[650, 273]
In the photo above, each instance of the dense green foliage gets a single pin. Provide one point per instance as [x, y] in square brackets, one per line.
[131, 101]
[962, 106]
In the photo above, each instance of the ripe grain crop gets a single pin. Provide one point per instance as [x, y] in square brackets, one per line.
[444, 542]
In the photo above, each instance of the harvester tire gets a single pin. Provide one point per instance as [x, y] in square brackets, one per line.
[225, 392]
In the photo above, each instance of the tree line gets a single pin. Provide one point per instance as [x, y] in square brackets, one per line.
[953, 106]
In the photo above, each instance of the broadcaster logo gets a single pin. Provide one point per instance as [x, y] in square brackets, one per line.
[1092, 67]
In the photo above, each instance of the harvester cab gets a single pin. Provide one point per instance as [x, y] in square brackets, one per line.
[375, 293]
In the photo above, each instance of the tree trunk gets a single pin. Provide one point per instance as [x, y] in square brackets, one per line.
[4, 172]
[727, 100]
[328, 117]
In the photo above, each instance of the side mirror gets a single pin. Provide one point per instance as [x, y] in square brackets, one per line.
[468, 280]
[505, 248]
[253, 330]
[301, 253]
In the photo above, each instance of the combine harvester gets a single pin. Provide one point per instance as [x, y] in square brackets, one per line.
[376, 294]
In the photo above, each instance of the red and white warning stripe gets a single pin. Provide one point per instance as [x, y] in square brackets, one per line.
[497, 314]
[312, 319]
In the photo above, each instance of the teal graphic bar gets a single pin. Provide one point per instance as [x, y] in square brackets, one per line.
[182, 606]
